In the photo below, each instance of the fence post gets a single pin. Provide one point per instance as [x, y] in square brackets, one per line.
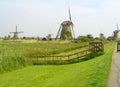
[37, 59]
[68, 57]
[86, 52]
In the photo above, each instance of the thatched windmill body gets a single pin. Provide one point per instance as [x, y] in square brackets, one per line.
[66, 31]
[16, 33]
[116, 33]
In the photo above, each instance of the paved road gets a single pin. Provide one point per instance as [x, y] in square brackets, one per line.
[114, 76]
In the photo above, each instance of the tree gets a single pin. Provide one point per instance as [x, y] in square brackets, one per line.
[90, 37]
[86, 38]
[110, 38]
[7, 37]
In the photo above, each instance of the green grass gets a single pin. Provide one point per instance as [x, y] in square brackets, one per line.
[45, 49]
[14, 55]
[91, 73]
[119, 47]
[33, 49]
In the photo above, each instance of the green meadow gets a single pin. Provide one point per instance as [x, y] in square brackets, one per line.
[14, 55]
[90, 73]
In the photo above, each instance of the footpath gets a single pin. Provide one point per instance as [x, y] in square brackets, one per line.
[114, 76]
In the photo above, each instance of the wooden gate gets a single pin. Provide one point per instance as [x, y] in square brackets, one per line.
[96, 47]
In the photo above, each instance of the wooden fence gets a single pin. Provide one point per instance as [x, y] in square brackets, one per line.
[78, 55]
[96, 47]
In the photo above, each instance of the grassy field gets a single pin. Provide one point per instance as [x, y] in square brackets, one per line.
[91, 73]
[14, 53]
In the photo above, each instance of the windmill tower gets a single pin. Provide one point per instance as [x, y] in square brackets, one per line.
[116, 33]
[15, 33]
[66, 31]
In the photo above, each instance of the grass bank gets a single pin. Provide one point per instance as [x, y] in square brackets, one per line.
[91, 73]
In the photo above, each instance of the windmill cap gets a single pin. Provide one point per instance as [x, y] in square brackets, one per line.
[66, 23]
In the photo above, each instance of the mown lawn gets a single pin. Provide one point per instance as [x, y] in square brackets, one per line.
[91, 73]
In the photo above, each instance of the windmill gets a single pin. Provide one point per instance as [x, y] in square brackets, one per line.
[116, 33]
[66, 31]
[15, 33]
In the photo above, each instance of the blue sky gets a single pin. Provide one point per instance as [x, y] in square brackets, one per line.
[40, 17]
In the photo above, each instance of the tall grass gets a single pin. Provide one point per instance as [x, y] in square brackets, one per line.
[9, 63]
[13, 54]
[51, 49]
[11, 57]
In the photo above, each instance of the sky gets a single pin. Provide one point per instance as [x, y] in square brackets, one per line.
[38, 18]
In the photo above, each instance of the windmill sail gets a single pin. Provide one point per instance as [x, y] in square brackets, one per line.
[16, 28]
[58, 34]
[73, 32]
[70, 15]
[118, 27]
[16, 33]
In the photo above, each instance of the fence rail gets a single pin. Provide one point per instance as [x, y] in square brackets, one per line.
[77, 55]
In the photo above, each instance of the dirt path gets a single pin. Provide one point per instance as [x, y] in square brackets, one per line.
[114, 76]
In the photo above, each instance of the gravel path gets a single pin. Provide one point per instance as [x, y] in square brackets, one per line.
[114, 76]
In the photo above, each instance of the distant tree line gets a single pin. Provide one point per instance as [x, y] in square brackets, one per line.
[82, 38]
[89, 37]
